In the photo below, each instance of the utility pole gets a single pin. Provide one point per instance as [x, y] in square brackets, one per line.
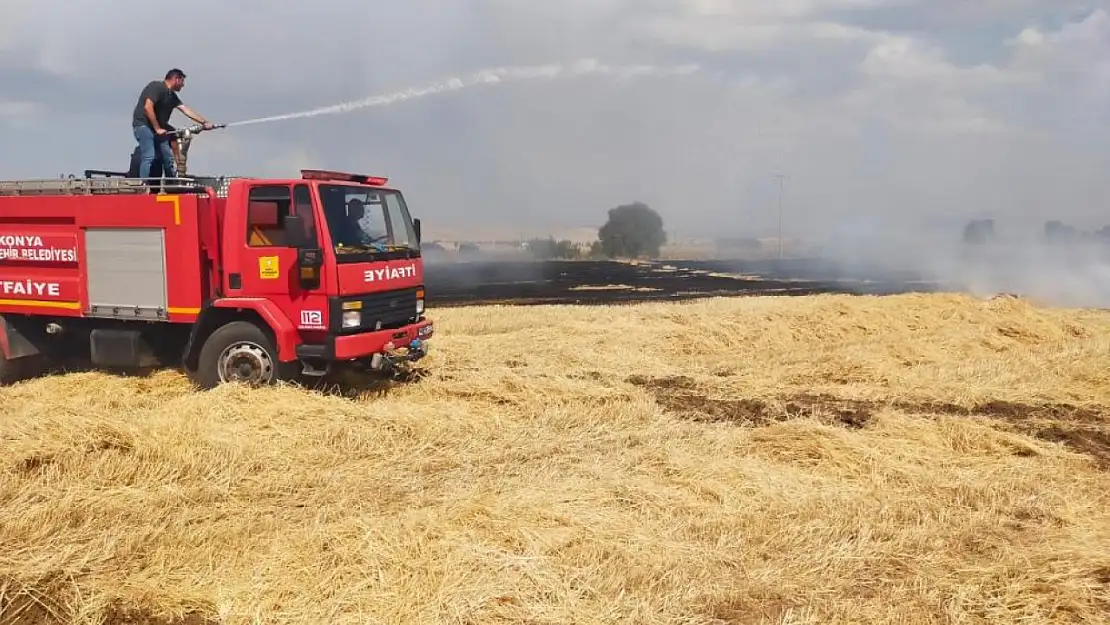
[781, 178]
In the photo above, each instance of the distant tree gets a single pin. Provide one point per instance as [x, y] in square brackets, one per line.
[549, 248]
[568, 250]
[750, 243]
[1057, 231]
[978, 231]
[541, 248]
[633, 230]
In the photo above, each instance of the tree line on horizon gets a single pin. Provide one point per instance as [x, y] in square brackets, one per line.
[632, 231]
[635, 231]
[978, 231]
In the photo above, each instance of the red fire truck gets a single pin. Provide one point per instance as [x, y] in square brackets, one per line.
[236, 279]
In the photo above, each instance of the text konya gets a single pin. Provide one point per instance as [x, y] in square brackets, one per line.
[30, 287]
[389, 273]
[31, 247]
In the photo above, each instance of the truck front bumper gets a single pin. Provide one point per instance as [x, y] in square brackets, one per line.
[380, 348]
[383, 342]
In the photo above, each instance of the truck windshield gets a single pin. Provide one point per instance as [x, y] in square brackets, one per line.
[367, 220]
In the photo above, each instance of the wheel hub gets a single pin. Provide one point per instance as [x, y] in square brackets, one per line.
[246, 362]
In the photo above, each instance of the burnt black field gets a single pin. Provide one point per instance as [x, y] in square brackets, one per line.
[604, 282]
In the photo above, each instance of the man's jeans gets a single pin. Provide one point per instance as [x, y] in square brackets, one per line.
[148, 142]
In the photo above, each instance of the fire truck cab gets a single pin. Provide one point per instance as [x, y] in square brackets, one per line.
[237, 279]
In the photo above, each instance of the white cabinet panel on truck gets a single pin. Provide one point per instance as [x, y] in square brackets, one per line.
[126, 269]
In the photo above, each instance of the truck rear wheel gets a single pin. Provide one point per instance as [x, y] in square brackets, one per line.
[9, 371]
[12, 371]
[241, 352]
[31, 364]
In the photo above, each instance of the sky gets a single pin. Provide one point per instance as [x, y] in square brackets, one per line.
[887, 115]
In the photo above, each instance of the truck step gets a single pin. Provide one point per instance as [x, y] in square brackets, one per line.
[312, 370]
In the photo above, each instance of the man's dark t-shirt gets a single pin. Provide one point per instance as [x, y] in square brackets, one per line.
[165, 101]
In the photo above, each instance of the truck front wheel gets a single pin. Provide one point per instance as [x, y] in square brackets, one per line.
[241, 352]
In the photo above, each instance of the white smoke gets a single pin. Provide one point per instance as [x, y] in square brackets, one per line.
[1066, 273]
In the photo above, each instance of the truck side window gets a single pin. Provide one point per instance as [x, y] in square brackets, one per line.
[267, 206]
[302, 206]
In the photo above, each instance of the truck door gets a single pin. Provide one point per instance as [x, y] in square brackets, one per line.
[269, 268]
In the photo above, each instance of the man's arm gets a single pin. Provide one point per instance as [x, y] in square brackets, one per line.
[188, 112]
[148, 108]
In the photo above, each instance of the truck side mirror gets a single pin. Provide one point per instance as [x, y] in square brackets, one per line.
[309, 262]
[309, 259]
[416, 228]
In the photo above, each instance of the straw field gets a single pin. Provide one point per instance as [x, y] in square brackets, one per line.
[906, 459]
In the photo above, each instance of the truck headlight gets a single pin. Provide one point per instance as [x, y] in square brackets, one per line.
[420, 302]
[352, 318]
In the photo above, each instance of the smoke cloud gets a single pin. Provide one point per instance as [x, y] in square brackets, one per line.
[1072, 271]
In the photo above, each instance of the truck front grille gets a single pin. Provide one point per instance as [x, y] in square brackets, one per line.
[380, 311]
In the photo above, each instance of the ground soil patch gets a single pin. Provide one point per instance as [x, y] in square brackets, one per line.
[1081, 428]
[48, 607]
[586, 282]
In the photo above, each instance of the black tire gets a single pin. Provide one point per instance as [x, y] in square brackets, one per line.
[13, 371]
[22, 368]
[9, 371]
[248, 345]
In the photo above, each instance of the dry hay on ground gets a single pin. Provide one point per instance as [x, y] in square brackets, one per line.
[914, 459]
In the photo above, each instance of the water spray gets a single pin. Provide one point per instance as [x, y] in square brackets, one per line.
[493, 76]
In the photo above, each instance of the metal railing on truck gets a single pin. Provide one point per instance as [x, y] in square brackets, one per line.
[112, 183]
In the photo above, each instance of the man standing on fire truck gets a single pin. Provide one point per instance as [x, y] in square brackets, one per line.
[150, 121]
